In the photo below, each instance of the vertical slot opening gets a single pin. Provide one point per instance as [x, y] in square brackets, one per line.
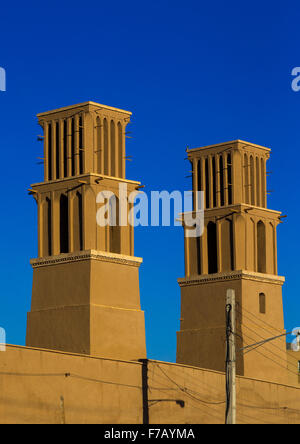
[207, 185]
[73, 147]
[222, 197]
[229, 175]
[261, 247]
[64, 224]
[214, 182]
[212, 248]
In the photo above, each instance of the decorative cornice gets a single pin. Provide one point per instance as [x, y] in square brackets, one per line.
[86, 255]
[84, 104]
[230, 276]
[84, 176]
[234, 144]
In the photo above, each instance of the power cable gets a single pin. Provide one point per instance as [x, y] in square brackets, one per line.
[186, 391]
[267, 357]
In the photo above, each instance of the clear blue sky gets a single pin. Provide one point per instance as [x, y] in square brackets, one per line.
[193, 73]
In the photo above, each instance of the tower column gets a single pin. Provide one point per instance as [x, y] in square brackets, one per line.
[69, 149]
[85, 141]
[225, 179]
[46, 150]
[263, 182]
[109, 147]
[121, 156]
[258, 182]
[246, 180]
[203, 175]
[40, 224]
[89, 223]
[186, 254]
[61, 151]
[131, 230]
[237, 175]
[76, 143]
[204, 252]
[275, 252]
[71, 220]
[99, 145]
[46, 224]
[210, 179]
[116, 149]
[239, 242]
[218, 188]
[102, 146]
[195, 182]
[254, 183]
[53, 149]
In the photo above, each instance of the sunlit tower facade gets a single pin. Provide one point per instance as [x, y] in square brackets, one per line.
[85, 296]
[238, 250]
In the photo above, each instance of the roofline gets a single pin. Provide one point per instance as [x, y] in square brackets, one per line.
[229, 143]
[81, 176]
[99, 105]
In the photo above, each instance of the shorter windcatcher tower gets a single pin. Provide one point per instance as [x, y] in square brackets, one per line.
[85, 296]
[238, 250]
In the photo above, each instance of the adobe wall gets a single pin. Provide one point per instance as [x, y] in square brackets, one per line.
[34, 388]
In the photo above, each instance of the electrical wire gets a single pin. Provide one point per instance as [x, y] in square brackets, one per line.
[73, 375]
[205, 409]
[186, 391]
[269, 351]
[272, 344]
[252, 314]
[194, 381]
[267, 357]
[263, 342]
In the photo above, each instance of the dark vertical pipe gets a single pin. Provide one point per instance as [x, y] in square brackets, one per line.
[145, 390]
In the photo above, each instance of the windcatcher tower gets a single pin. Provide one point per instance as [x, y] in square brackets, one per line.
[237, 250]
[85, 296]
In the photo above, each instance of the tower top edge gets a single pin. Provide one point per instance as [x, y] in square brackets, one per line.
[225, 144]
[81, 105]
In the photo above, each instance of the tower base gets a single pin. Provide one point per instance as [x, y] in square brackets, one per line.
[88, 303]
[201, 341]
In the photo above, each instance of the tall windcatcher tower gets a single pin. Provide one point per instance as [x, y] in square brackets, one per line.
[237, 250]
[85, 296]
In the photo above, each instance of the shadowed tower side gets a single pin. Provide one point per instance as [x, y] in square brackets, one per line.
[85, 296]
[237, 250]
